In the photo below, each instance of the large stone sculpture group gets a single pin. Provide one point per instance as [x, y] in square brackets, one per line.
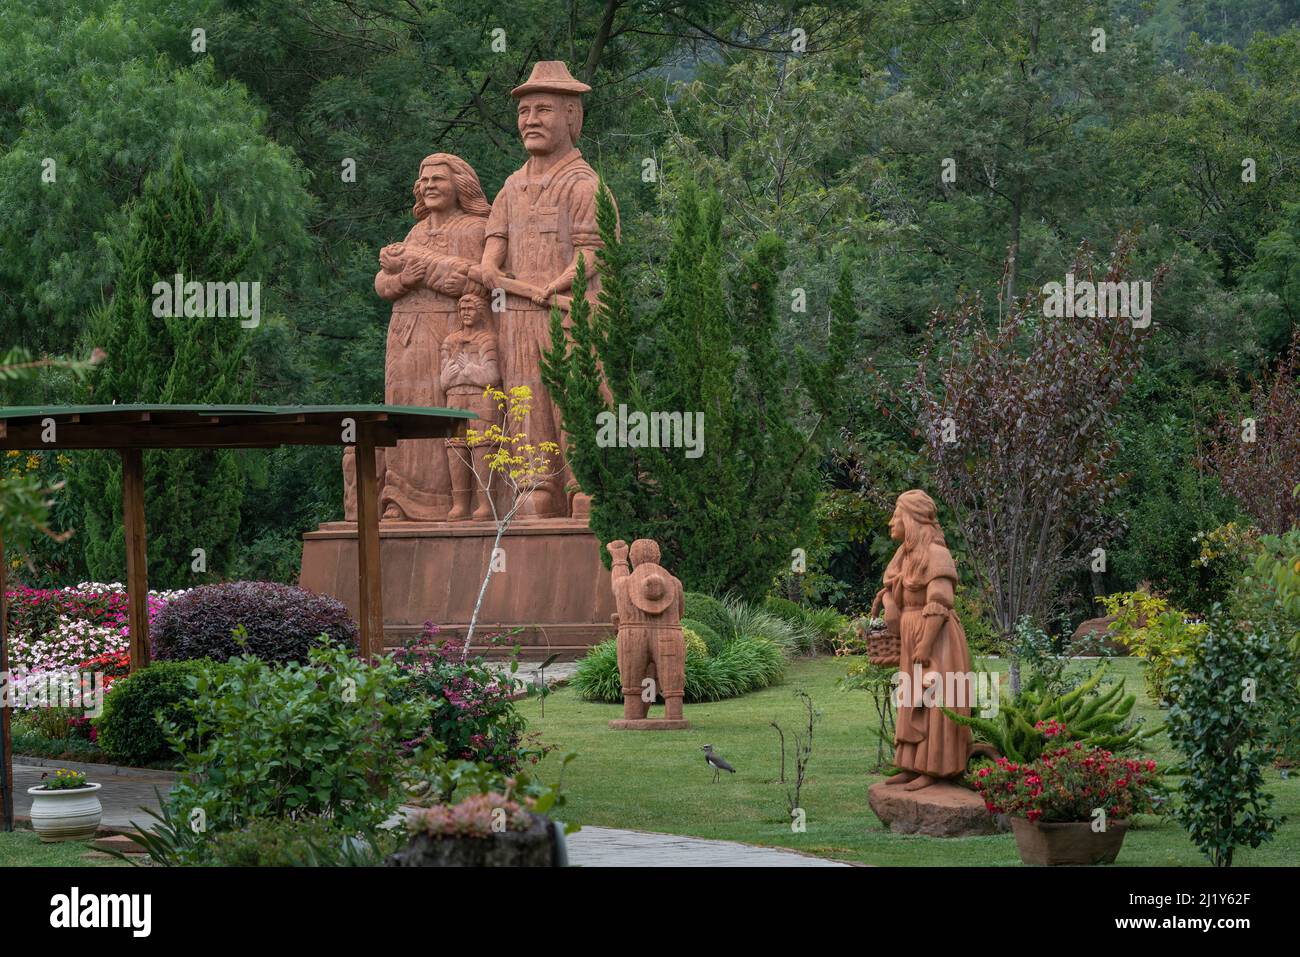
[472, 287]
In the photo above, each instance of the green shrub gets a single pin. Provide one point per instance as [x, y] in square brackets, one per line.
[784, 608]
[973, 612]
[829, 627]
[747, 664]
[302, 842]
[712, 640]
[709, 611]
[1156, 632]
[694, 643]
[129, 731]
[596, 677]
[322, 738]
[1269, 592]
[744, 665]
[1219, 725]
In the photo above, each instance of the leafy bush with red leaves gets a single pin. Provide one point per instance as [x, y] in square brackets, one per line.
[280, 623]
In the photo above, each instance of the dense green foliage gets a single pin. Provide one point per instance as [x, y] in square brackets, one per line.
[713, 642]
[299, 842]
[743, 665]
[294, 739]
[192, 497]
[1218, 724]
[131, 730]
[728, 508]
[708, 611]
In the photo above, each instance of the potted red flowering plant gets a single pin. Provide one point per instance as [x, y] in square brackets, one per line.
[1072, 804]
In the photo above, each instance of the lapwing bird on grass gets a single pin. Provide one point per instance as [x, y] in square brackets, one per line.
[716, 761]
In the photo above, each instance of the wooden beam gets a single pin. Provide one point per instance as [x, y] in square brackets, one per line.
[137, 569]
[6, 739]
[370, 608]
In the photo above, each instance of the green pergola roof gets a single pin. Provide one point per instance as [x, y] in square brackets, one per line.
[151, 426]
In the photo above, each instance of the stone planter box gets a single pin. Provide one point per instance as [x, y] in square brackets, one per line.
[1067, 843]
[542, 845]
[71, 814]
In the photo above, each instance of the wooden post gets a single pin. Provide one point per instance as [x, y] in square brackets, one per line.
[137, 569]
[370, 605]
[6, 741]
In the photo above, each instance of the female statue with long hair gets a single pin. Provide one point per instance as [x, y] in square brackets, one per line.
[424, 278]
[918, 605]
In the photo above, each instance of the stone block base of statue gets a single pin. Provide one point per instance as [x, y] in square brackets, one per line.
[552, 583]
[650, 724]
[941, 810]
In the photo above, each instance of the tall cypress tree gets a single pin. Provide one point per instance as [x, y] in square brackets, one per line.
[192, 497]
[729, 519]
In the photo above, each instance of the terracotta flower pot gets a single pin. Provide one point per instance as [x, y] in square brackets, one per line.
[69, 814]
[1073, 842]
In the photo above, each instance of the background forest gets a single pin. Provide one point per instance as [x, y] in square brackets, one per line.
[934, 149]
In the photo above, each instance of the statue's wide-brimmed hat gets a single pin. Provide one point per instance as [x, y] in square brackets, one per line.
[550, 76]
[648, 588]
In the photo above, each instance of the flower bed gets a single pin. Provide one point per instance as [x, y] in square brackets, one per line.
[60, 629]
[1068, 785]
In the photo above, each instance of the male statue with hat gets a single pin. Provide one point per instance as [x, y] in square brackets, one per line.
[541, 221]
[650, 604]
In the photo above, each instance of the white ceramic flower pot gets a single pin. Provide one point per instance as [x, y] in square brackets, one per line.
[72, 814]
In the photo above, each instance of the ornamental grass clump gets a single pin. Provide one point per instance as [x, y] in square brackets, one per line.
[1069, 785]
[743, 665]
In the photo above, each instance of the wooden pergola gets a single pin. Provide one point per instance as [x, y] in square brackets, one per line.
[130, 429]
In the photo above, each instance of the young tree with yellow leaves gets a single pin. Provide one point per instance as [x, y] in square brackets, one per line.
[521, 465]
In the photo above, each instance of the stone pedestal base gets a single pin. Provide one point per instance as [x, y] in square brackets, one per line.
[650, 724]
[940, 810]
[549, 582]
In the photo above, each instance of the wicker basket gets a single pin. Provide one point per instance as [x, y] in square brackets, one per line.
[882, 647]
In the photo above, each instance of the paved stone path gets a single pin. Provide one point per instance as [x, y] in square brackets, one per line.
[558, 672]
[123, 793]
[608, 847]
[127, 789]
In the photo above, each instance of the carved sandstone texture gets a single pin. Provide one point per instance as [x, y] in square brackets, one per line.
[650, 602]
[918, 601]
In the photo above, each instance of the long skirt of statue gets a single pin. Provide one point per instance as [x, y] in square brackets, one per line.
[927, 741]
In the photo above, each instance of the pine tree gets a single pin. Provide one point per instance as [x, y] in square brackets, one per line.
[192, 497]
[728, 520]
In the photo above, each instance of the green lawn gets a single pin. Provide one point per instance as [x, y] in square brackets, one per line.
[24, 849]
[657, 781]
